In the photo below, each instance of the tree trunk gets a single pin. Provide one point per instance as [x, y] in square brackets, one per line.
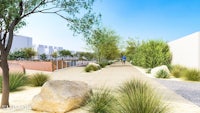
[5, 82]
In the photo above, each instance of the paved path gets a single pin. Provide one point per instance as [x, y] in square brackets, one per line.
[111, 76]
[188, 90]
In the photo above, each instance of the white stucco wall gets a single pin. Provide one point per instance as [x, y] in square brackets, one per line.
[186, 50]
[20, 42]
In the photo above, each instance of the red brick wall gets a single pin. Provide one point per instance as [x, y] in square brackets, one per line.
[35, 65]
[41, 65]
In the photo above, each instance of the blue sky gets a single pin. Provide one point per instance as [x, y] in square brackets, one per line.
[145, 19]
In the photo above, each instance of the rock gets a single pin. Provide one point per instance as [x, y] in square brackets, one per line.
[60, 96]
[94, 64]
[155, 70]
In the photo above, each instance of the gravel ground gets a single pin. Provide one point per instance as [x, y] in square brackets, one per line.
[188, 90]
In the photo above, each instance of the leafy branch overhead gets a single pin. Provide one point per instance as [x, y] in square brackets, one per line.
[78, 13]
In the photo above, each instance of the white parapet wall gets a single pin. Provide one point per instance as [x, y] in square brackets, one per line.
[186, 51]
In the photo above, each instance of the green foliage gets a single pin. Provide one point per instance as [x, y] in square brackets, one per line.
[43, 57]
[192, 74]
[25, 53]
[16, 55]
[54, 54]
[101, 101]
[92, 67]
[87, 55]
[103, 64]
[130, 49]
[133, 96]
[178, 71]
[29, 52]
[151, 54]
[104, 43]
[38, 79]
[65, 53]
[162, 74]
[136, 96]
[16, 80]
[148, 70]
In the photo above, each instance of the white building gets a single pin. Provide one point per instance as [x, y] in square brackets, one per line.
[186, 51]
[20, 42]
[45, 49]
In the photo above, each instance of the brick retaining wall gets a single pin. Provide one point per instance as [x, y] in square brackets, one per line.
[41, 65]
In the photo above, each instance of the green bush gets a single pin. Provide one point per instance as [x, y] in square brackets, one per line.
[178, 71]
[162, 74]
[16, 80]
[192, 74]
[38, 79]
[101, 101]
[136, 96]
[103, 64]
[133, 96]
[91, 67]
[151, 54]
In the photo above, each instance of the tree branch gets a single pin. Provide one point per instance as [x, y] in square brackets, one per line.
[40, 4]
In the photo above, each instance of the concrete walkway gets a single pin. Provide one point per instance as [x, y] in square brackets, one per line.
[111, 76]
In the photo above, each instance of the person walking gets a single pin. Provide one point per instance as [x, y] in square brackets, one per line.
[123, 59]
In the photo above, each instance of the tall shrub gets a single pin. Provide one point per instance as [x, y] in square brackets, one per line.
[152, 53]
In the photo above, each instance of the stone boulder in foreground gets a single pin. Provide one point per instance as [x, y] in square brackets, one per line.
[60, 96]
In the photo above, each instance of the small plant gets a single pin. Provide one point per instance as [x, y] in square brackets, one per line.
[136, 96]
[16, 80]
[101, 101]
[38, 79]
[162, 74]
[92, 67]
[103, 64]
[192, 74]
[178, 71]
[148, 70]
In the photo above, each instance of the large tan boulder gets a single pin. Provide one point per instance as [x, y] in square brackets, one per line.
[60, 96]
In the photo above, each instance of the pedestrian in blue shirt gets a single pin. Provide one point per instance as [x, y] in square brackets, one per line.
[123, 59]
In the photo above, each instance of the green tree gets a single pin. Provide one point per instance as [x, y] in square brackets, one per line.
[65, 53]
[87, 55]
[29, 52]
[78, 14]
[130, 48]
[104, 43]
[16, 55]
[54, 54]
[43, 56]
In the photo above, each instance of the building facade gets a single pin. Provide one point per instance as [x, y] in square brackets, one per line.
[20, 42]
[45, 49]
[186, 51]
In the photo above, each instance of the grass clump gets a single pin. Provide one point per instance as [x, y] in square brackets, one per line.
[162, 74]
[101, 101]
[38, 79]
[136, 96]
[186, 73]
[178, 71]
[192, 75]
[92, 67]
[16, 80]
[133, 96]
